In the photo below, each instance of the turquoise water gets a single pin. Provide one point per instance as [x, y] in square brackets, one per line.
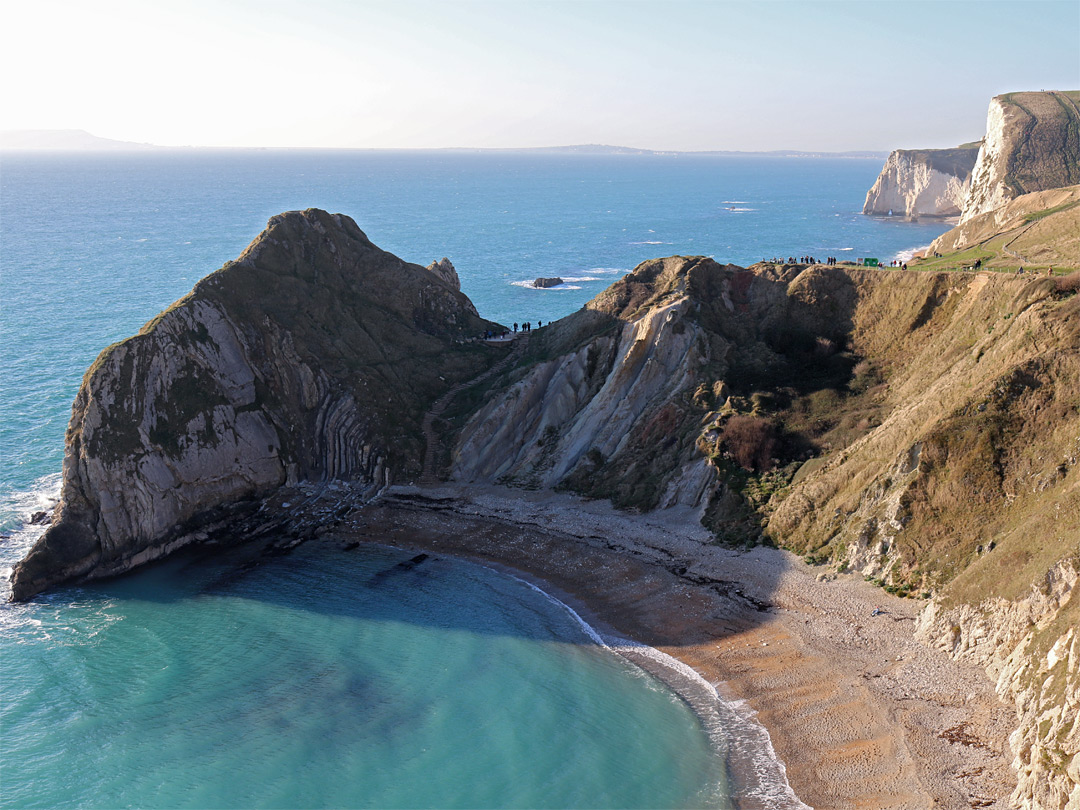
[334, 679]
[296, 683]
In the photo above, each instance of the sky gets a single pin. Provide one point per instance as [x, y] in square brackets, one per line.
[653, 74]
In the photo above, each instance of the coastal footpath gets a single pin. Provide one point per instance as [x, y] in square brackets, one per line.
[916, 432]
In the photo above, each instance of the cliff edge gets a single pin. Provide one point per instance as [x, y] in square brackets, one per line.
[312, 357]
[1032, 144]
[922, 183]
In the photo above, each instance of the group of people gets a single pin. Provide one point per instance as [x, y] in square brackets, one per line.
[491, 334]
[802, 260]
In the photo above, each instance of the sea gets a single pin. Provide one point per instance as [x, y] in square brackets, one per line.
[334, 679]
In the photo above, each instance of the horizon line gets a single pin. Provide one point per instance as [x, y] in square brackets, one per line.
[83, 141]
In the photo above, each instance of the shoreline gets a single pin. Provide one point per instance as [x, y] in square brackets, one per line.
[730, 725]
[859, 713]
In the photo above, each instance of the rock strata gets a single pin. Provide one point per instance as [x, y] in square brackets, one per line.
[307, 359]
[1031, 648]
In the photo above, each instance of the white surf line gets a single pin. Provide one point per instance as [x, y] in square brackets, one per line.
[742, 728]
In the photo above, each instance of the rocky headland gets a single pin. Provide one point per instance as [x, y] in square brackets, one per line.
[913, 437]
[923, 183]
[1032, 143]
[313, 357]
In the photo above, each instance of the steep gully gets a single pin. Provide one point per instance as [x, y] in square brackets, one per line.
[432, 443]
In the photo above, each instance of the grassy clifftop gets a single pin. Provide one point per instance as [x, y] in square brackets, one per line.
[1047, 145]
[970, 484]
[1033, 231]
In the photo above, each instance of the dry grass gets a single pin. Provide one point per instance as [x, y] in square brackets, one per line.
[1070, 284]
[982, 374]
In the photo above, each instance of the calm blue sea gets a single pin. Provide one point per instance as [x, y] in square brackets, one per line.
[311, 681]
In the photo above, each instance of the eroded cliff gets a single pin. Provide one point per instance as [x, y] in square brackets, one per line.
[922, 183]
[1032, 144]
[311, 357]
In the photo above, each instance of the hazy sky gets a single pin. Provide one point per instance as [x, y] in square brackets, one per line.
[432, 73]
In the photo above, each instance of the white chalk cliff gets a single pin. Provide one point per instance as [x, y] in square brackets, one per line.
[1032, 144]
[922, 183]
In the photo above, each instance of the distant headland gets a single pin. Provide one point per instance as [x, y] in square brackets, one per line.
[78, 140]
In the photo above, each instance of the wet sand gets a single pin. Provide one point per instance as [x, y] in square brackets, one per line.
[861, 714]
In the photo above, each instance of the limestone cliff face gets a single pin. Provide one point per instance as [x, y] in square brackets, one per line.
[306, 359]
[1032, 144]
[922, 183]
[617, 412]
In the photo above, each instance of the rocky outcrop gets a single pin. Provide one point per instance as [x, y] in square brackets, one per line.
[610, 412]
[922, 183]
[444, 270]
[307, 359]
[1032, 144]
[543, 283]
[1031, 647]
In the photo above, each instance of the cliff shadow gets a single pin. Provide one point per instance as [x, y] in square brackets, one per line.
[458, 572]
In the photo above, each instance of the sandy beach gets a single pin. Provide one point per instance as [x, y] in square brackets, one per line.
[861, 714]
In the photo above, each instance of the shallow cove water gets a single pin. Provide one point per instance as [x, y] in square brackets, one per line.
[331, 678]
